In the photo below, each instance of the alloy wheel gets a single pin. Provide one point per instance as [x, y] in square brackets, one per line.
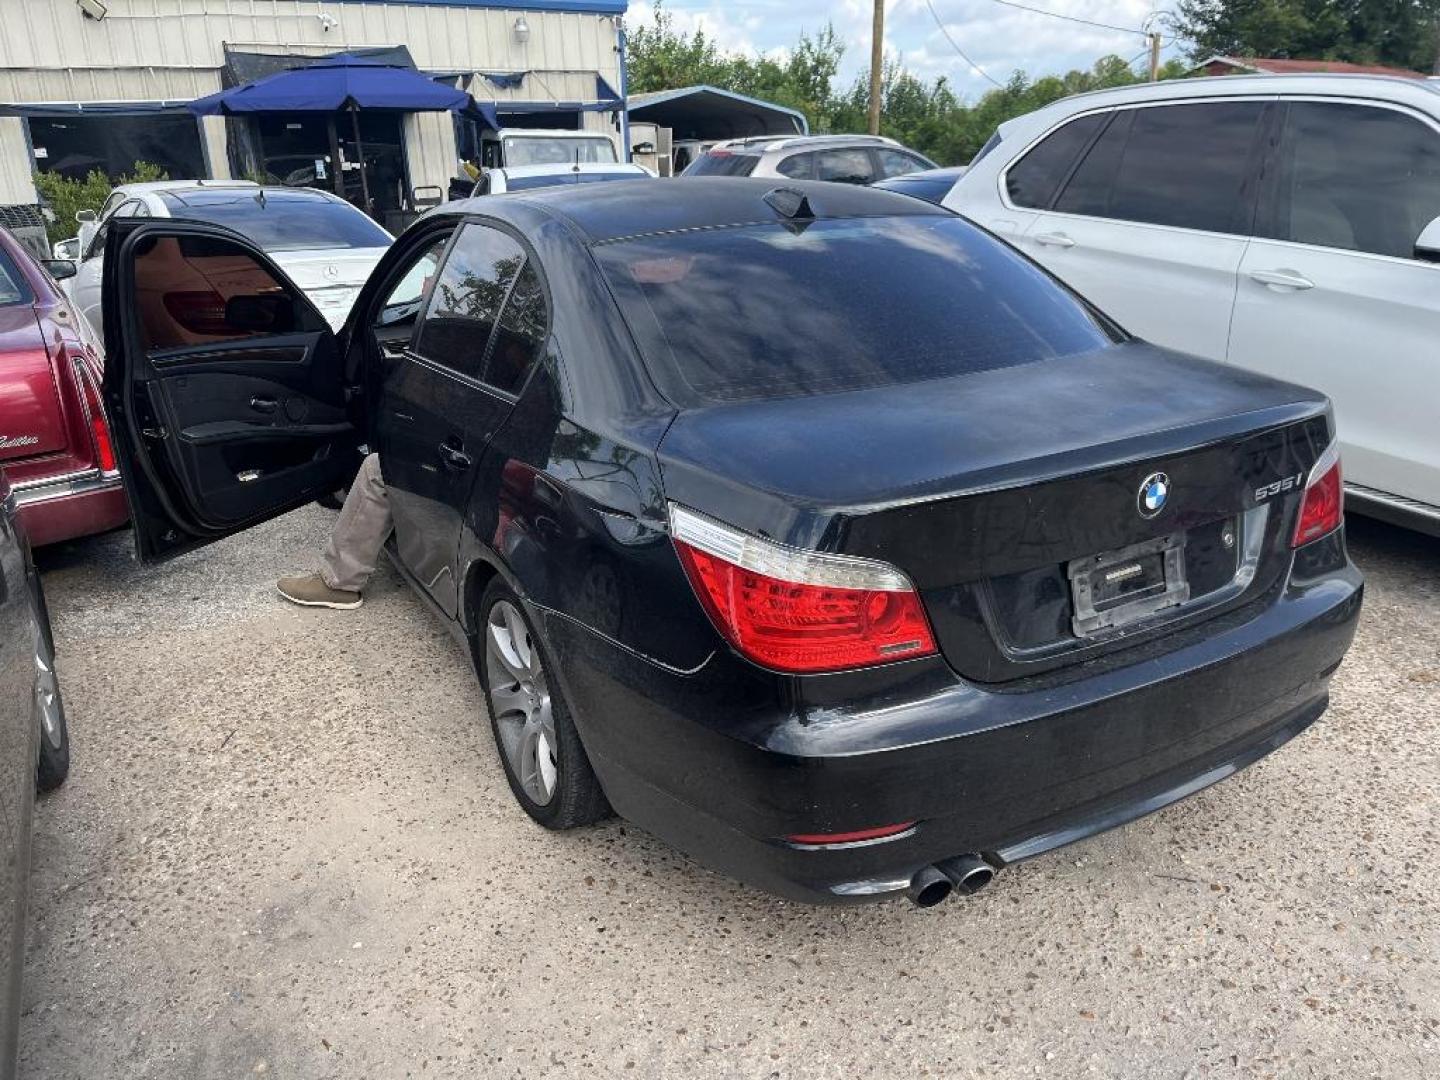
[520, 699]
[47, 697]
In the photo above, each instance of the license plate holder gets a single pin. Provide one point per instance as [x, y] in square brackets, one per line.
[1113, 590]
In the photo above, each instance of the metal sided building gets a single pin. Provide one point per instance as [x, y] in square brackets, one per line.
[101, 84]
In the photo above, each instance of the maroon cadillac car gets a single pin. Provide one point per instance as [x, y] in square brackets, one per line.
[54, 444]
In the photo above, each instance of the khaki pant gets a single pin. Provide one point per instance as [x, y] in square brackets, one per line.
[360, 531]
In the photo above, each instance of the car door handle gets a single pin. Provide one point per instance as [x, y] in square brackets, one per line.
[264, 404]
[453, 458]
[1054, 239]
[1282, 280]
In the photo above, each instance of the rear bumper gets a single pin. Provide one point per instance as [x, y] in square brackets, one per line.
[74, 504]
[724, 769]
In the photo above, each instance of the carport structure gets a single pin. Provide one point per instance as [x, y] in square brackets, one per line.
[707, 114]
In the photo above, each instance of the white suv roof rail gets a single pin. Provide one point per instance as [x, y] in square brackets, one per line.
[787, 142]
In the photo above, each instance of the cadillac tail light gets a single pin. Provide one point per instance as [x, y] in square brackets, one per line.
[1324, 505]
[95, 418]
[198, 311]
[799, 611]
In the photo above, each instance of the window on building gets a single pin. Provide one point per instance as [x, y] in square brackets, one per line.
[75, 146]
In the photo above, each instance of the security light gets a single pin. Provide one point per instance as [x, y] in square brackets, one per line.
[93, 9]
[522, 30]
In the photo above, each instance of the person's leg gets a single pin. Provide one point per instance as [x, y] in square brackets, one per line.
[353, 549]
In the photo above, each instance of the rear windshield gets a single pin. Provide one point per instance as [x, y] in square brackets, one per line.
[760, 311]
[282, 220]
[557, 150]
[12, 285]
[524, 183]
[723, 163]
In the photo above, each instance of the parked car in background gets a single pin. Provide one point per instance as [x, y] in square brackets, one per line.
[932, 185]
[1285, 224]
[844, 159]
[54, 442]
[812, 529]
[34, 750]
[529, 177]
[327, 246]
[546, 146]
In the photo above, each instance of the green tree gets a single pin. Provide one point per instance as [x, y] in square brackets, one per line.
[66, 197]
[1401, 33]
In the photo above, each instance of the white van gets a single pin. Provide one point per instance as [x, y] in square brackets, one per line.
[1288, 224]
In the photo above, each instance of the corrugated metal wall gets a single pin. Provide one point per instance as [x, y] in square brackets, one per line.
[173, 49]
[15, 183]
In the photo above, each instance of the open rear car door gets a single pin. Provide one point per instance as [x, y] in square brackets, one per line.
[225, 387]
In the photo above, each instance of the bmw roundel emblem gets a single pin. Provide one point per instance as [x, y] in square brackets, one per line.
[1154, 494]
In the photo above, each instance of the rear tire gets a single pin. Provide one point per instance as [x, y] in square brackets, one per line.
[545, 763]
[53, 765]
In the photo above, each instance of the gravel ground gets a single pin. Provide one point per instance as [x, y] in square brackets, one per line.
[287, 848]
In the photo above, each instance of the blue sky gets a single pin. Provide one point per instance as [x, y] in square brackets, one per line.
[998, 38]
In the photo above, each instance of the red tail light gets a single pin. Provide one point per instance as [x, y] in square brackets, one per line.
[1324, 505]
[799, 611]
[198, 311]
[95, 415]
[859, 836]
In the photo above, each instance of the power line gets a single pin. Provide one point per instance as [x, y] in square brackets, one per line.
[1071, 18]
[957, 48]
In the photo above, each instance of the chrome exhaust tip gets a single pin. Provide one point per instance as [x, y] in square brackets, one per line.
[929, 887]
[968, 874]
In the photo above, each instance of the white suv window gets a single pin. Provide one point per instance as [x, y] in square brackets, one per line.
[845, 166]
[1356, 177]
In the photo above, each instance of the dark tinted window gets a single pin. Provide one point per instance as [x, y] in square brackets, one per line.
[200, 290]
[1356, 177]
[723, 163]
[1033, 179]
[797, 166]
[1179, 165]
[762, 311]
[278, 220]
[467, 298]
[12, 285]
[519, 335]
[845, 166]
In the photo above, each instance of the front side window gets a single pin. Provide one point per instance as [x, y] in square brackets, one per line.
[896, 163]
[125, 209]
[845, 166]
[12, 285]
[1033, 180]
[1355, 177]
[723, 163]
[401, 308]
[467, 298]
[1184, 166]
[200, 290]
[760, 311]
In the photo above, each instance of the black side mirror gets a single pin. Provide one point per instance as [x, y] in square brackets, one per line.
[1427, 247]
[266, 313]
[60, 269]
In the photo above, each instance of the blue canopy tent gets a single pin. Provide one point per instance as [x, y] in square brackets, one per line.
[338, 83]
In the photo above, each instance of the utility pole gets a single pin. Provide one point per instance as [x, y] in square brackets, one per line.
[1436, 69]
[877, 63]
[1154, 56]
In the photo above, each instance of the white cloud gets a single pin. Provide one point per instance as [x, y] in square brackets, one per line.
[998, 38]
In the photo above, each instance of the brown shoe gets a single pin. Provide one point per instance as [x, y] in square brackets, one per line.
[310, 590]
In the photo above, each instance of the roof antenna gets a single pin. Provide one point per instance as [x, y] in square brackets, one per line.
[790, 203]
[260, 197]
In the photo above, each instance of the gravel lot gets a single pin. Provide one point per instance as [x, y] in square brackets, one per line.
[287, 849]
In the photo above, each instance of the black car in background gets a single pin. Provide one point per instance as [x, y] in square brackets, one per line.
[932, 185]
[809, 527]
[34, 749]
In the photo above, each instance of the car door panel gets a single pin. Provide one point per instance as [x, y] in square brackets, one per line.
[225, 386]
[1331, 294]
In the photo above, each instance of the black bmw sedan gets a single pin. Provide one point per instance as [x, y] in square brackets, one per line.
[809, 527]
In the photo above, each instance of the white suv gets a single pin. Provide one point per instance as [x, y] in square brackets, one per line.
[1288, 224]
[844, 159]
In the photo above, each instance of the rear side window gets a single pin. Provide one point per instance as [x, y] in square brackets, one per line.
[1033, 180]
[760, 311]
[1355, 177]
[519, 334]
[845, 166]
[466, 301]
[723, 163]
[896, 163]
[1184, 166]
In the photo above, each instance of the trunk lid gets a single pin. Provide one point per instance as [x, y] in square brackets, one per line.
[990, 490]
[330, 278]
[30, 420]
